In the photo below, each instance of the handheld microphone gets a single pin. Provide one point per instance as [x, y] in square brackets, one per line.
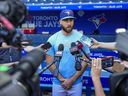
[80, 46]
[58, 57]
[46, 46]
[59, 53]
[75, 51]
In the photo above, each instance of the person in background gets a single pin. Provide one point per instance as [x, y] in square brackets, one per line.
[68, 82]
[12, 52]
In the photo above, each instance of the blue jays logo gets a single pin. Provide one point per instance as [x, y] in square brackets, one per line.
[98, 20]
[68, 12]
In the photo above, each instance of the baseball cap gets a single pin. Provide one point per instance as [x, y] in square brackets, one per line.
[65, 14]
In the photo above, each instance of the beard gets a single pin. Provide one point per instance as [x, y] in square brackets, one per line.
[68, 29]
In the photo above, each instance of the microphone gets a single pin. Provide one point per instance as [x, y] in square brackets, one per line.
[59, 53]
[57, 58]
[80, 46]
[29, 64]
[75, 51]
[46, 46]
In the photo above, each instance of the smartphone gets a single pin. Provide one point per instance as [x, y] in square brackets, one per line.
[107, 62]
[86, 40]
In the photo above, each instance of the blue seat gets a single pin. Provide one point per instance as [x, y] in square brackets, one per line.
[42, 1]
[115, 0]
[105, 1]
[95, 1]
[86, 1]
[50, 1]
[125, 1]
[34, 1]
[26, 1]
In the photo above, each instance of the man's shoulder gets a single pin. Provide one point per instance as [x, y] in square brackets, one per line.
[77, 33]
[54, 36]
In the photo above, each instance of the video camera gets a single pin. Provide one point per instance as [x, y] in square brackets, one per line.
[119, 81]
[12, 14]
[21, 81]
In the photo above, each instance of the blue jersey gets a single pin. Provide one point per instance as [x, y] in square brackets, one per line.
[67, 63]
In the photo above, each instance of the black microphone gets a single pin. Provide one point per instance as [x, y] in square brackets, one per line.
[29, 64]
[46, 46]
[57, 58]
[75, 51]
[59, 53]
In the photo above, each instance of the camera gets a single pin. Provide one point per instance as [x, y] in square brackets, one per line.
[119, 81]
[119, 84]
[12, 14]
[14, 11]
[22, 81]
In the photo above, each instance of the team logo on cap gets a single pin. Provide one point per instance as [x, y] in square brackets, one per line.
[68, 12]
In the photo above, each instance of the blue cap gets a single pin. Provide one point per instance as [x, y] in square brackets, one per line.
[65, 14]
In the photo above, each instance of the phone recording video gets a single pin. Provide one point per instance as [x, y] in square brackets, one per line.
[86, 40]
[107, 62]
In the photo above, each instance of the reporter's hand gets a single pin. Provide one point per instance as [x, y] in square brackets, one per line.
[29, 48]
[124, 63]
[96, 68]
[5, 45]
[96, 44]
[96, 72]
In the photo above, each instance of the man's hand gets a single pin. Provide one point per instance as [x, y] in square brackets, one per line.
[67, 84]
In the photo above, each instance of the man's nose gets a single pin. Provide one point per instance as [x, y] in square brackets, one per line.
[68, 22]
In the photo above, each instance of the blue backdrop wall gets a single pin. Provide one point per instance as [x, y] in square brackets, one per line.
[105, 21]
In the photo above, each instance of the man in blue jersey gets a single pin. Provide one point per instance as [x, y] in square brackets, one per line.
[68, 82]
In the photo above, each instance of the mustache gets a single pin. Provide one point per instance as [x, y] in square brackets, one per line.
[69, 26]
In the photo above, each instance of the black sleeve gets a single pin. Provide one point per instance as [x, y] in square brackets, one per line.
[0, 44]
[1, 41]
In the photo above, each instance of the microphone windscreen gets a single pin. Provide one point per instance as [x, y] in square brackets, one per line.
[74, 49]
[46, 46]
[60, 47]
[73, 44]
[79, 45]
